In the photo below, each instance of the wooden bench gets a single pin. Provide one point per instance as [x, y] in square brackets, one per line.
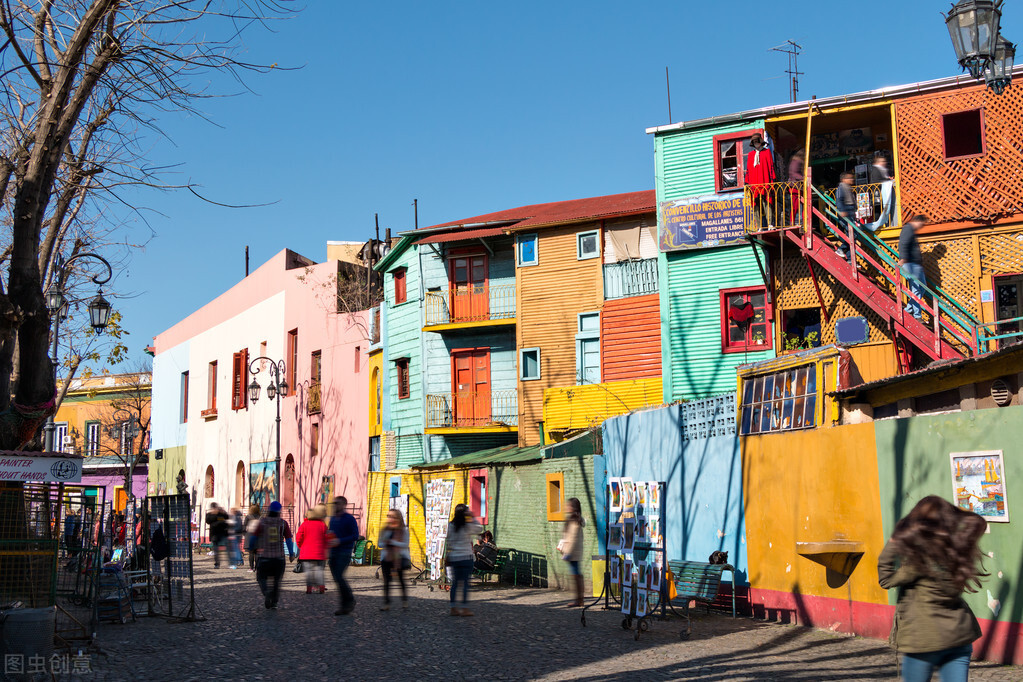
[698, 581]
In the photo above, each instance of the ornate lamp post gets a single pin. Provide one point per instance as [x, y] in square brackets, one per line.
[973, 27]
[57, 304]
[126, 425]
[998, 74]
[277, 388]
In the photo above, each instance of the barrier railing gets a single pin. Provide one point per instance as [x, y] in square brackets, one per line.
[470, 303]
[630, 278]
[472, 409]
[772, 206]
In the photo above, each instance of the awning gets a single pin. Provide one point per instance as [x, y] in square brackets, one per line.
[507, 454]
[463, 235]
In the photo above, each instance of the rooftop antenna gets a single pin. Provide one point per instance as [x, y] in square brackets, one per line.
[667, 85]
[415, 207]
[792, 49]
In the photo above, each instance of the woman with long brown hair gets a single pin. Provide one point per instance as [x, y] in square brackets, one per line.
[933, 557]
[394, 556]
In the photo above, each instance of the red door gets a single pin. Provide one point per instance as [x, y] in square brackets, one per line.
[469, 297]
[471, 387]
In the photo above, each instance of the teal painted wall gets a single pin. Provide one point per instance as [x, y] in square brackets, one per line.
[403, 323]
[690, 281]
[913, 457]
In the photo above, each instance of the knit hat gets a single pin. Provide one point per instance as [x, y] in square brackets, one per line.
[275, 506]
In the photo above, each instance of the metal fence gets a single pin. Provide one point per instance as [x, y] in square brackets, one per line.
[472, 409]
[473, 303]
[630, 278]
[169, 583]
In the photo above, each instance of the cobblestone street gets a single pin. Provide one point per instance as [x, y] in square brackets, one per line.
[516, 634]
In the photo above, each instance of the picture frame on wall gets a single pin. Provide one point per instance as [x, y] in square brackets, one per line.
[615, 537]
[628, 535]
[627, 600]
[978, 484]
[627, 573]
[641, 602]
[654, 572]
[654, 495]
[615, 570]
[615, 485]
[628, 494]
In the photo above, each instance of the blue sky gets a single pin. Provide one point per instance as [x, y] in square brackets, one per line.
[473, 107]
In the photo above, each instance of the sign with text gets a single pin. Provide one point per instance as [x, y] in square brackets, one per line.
[40, 469]
[702, 222]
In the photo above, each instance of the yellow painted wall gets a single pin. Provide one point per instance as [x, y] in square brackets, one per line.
[550, 296]
[812, 486]
[874, 361]
[376, 363]
[90, 401]
[583, 407]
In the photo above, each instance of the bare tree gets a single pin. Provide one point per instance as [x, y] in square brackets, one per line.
[127, 421]
[82, 79]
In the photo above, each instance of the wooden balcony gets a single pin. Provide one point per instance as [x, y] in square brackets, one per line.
[468, 306]
[313, 399]
[472, 412]
[780, 205]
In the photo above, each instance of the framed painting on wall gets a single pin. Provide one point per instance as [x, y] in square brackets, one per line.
[978, 484]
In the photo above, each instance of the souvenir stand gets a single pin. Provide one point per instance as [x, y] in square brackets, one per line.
[634, 554]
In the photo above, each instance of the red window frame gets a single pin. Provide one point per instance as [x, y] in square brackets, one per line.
[477, 493]
[239, 380]
[403, 383]
[983, 135]
[291, 370]
[400, 291]
[728, 346]
[741, 170]
[211, 387]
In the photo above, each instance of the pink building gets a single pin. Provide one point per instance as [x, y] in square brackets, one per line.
[202, 413]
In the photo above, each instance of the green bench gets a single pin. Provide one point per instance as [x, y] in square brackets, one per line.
[498, 569]
[698, 581]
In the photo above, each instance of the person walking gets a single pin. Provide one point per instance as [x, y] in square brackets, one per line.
[346, 533]
[313, 539]
[933, 557]
[911, 263]
[237, 526]
[394, 560]
[270, 538]
[216, 518]
[571, 546]
[251, 521]
[845, 199]
[462, 529]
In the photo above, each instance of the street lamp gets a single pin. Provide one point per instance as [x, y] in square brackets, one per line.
[275, 390]
[57, 304]
[998, 74]
[973, 27]
[127, 425]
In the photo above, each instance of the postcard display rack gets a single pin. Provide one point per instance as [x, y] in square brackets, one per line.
[634, 555]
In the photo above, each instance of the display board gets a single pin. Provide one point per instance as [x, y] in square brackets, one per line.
[635, 542]
[438, 510]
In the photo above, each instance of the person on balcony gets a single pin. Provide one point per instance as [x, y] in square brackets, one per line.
[878, 172]
[796, 164]
[759, 170]
[883, 197]
[845, 199]
[911, 263]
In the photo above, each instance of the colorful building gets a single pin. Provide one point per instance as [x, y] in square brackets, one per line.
[287, 310]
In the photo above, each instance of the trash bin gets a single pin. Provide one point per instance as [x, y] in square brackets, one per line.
[27, 632]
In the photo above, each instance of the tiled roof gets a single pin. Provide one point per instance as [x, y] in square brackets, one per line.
[462, 235]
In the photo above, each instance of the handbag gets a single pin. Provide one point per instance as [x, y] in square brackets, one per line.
[669, 577]
[406, 563]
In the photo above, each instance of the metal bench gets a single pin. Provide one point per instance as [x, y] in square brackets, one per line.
[499, 561]
[697, 581]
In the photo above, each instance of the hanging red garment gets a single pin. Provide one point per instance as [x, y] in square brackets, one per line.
[760, 171]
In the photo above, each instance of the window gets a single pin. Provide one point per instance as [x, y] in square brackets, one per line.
[184, 397]
[783, 401]
[525, 249]
[556, 497]
[314, 439]
[404, 388]
[316, 367]
[802, 328]
[478, 494]
[730, 160]
[400, 293]
[587, 349]
[963, 134]
[744, 325]
[529, 364]
[60, 437]
[395, 486]
[374, 453]
[209, 488]
[292, 365]
[211, 387]
[288, 481]
[587, 245]
[239, 380]
[358, 358]
[92, 431]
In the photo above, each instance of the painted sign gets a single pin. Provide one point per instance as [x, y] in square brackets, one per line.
[261, 483]
[702, 222]
[40, 469]
[978, 483]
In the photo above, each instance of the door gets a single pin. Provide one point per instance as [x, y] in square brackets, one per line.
[470, 370]
[120, 498]
[1008, 306]
[470, 299]
[589, 361]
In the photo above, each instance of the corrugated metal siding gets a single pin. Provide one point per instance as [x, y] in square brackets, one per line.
[697, 365]
[630, 338]
[408, 450]
[446, 447]
[687, 166]
[550, 296]
[402, 325]
[581, 407]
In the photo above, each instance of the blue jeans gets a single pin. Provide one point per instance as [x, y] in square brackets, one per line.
[953, 665]
[573, 567]
[338, 564]
[236, 552]
[915, 277]
[461, 571]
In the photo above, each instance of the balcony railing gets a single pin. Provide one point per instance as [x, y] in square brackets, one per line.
[630, 278]
[473, 410]
[468, 304]
[313, 399]
[779, 205]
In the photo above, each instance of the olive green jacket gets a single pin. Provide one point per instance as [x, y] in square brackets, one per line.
[931, 614]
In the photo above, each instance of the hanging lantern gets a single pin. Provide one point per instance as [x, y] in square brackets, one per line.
[254, 391]
[271, 390]
[99, 312]
[973, 27]
[998, 74]
[54, 298]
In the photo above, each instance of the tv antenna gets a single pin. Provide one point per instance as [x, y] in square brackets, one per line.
[792, 49]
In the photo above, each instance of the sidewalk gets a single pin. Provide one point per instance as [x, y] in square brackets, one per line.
[517, 634]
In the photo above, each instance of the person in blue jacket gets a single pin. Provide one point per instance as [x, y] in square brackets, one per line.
[346, 533]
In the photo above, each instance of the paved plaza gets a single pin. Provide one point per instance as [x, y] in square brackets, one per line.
[516, 634]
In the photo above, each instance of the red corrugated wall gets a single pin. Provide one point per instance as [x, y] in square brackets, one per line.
[630, 338]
